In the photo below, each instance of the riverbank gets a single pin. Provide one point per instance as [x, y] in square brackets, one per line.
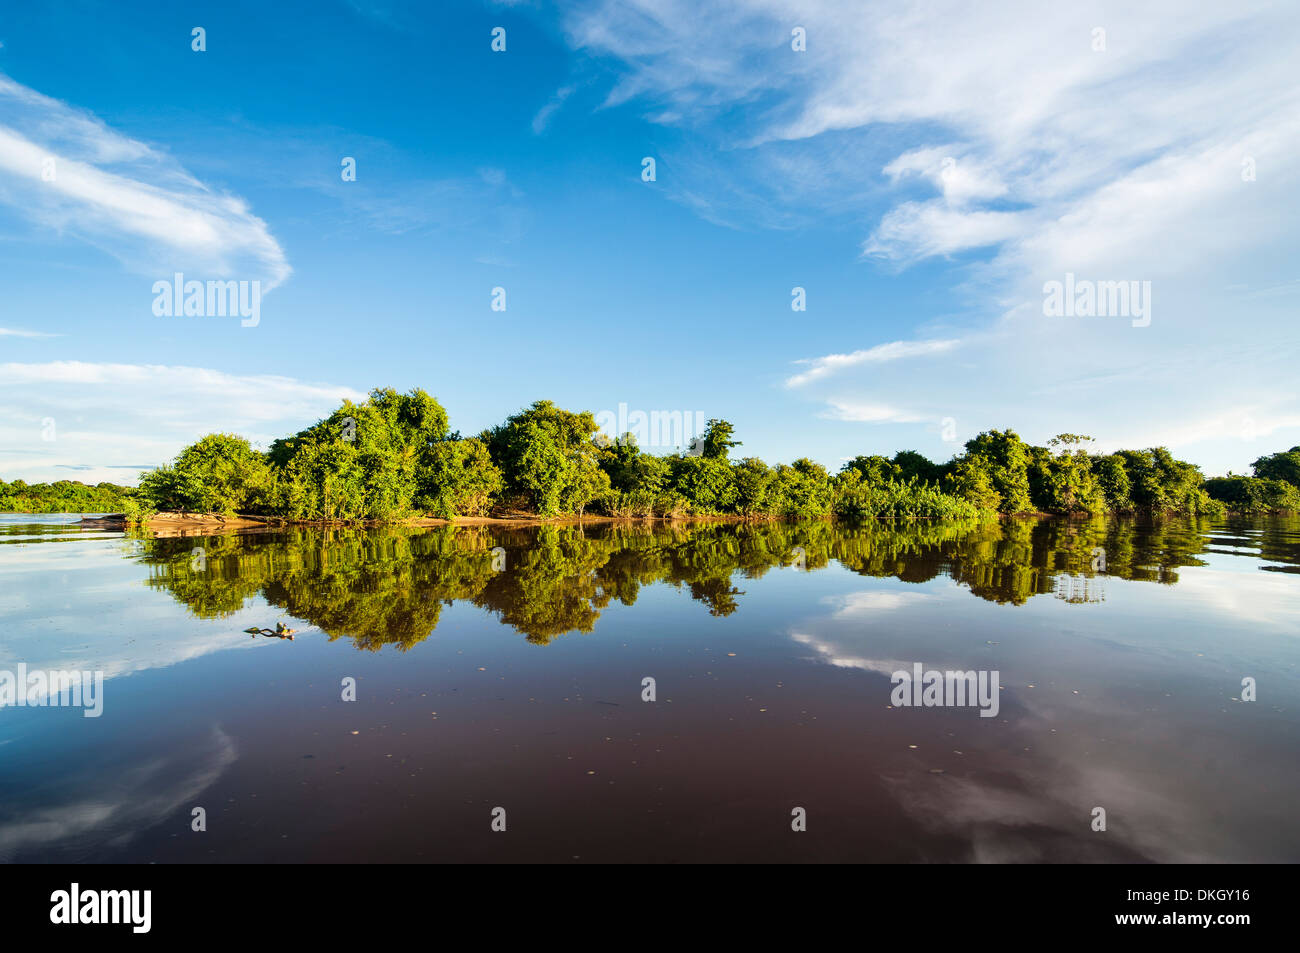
[217, 521]
[171, 523]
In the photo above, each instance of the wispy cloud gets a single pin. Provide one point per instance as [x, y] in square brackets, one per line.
[110, 417]
[1046, 121]
[867, 413]
[117, 808]
[21, 333]
[543, 117]
[1014, 143]
[821, 367]
[66, 170]
[873, 601]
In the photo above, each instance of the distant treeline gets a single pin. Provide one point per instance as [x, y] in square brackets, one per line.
[393, 457]
[64, 496]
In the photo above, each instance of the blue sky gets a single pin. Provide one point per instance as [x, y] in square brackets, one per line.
[921, 170]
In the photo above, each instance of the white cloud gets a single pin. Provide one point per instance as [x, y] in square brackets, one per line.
[835, 656]
[137, 796]
[114, 419]
[872, 601]
[857, 412]
[1118, 164]
[65, 170]
[916, 230]
[543, 117]
[895, 350]
[960, 180]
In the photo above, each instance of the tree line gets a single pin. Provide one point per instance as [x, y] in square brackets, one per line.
[393, 457]
[62, 496]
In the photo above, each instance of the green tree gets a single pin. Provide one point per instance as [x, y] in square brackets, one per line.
[1284, 466]
[631, 470]
[754, 483]
[1243, 494]
[717, 440]
[361, 462]
[707, 484]
[971, 481]
[910, 465]
[220, 473]
[1063, 482]
[871, 469]
[1158, 482]
[458, 478]
[1112, 478]
[802, 490]
[1004, 459]
[546, 455]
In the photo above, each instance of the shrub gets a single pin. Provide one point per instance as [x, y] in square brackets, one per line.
[458, 479]
[220, 473]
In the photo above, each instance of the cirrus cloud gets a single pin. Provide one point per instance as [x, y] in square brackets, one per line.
[64, 169]
[820, 367]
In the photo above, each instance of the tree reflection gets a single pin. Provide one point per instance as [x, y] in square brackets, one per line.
[388, 586]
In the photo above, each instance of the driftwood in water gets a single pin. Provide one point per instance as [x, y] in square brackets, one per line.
[281, 631]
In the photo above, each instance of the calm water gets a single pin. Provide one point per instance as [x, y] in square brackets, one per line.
[771, 648]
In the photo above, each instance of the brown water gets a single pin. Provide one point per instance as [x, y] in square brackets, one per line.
[514, 679]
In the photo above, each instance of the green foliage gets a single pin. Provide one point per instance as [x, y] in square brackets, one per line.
[756, 490]
[458, 479]
[1001, 472]
[636, 479]
[717, 439]
[220, 473]
[380, 587]
[630, 470]
[1243, 494]
[547, 456]
[536, 466]
[1159, 482]
[870, 469]
[907, 465]
[707, 484]
[971, 481]
[321, 480]
[1112, 477]
[136, 508]
[62, 496]
[857, 501]
[365, 461]
[801, 490]
[1064, 482]
[910, 465]
[1004, 457]
[626, 504]
[1283, 466]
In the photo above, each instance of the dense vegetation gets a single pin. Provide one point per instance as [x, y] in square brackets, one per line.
[1275, 487]
[63, 496]
[393, 457]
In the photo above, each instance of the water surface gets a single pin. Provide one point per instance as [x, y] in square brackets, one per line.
[505, 667]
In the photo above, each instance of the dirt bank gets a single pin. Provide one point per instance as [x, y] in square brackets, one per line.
[188, 523]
